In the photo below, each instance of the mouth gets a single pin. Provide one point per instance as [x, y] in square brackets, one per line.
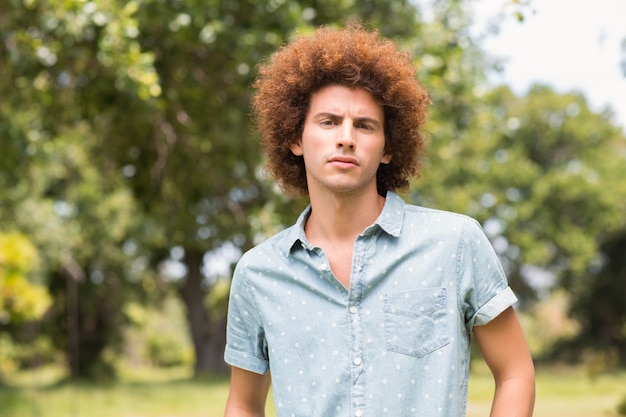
[343, 161]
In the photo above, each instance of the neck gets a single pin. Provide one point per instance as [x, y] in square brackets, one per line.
[340, 217]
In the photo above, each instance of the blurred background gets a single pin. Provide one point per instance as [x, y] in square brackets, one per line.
[131, 182]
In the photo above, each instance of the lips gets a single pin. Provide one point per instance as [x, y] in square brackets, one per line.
[344, 160]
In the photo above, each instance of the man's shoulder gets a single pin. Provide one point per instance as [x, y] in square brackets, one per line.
[442, 224]
[425, 214]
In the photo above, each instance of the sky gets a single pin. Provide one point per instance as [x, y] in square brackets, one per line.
[571, 45]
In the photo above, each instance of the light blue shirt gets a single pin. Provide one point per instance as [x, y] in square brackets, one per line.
[397, 343]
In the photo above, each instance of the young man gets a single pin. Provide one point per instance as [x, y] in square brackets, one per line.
[366, 305]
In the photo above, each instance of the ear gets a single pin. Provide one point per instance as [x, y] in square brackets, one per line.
[386, 158]
[296, 148]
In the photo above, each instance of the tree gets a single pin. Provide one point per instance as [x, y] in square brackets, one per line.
[599, 302]
[78, 221]
[546, 176]
[126, 137]
[160, 92]
[220, 46]
[55, 189]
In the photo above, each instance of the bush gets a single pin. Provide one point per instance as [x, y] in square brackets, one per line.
[37, 352]
[16, 354]
[598, 362]
[157, 335]
[8, 357]
[164, 351]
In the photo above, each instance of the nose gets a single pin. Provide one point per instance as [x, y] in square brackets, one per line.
[345, 137]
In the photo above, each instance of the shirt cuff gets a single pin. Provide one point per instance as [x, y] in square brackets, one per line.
[245, 361]
[503, 300]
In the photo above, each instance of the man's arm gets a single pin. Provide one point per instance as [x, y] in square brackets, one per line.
[505, 351]
[248, 393]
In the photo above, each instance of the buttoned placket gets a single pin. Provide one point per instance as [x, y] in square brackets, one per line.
[357, 336]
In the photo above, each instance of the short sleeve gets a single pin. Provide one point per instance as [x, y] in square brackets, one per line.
[484, 292]
[246, 346]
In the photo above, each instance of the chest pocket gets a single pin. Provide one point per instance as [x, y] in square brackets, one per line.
[416, 322]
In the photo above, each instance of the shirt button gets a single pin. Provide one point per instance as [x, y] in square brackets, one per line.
[358, 413]
[353, 310]
[357, 361]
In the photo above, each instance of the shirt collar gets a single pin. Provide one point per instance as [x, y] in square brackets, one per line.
[390, 221]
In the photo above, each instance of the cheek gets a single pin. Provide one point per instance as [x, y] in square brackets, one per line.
[385, 152]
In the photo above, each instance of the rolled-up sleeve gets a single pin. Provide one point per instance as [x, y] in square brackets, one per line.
[246, 346]
[486, 292]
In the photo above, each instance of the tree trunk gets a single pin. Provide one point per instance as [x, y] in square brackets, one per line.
[208, 334]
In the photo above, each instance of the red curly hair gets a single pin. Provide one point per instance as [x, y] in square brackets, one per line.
[352, 57]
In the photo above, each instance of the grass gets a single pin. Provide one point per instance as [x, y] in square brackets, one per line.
[561, 392]
[155, 393]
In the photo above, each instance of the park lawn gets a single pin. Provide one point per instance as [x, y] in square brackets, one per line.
[561, 392]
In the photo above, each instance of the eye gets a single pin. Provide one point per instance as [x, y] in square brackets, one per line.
[328, 122]
[364, 126]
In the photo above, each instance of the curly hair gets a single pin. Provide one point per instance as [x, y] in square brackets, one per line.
[352, 57]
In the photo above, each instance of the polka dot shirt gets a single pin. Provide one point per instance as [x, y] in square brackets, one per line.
[396, 343]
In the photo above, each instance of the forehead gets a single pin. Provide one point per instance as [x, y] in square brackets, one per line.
[339, 99]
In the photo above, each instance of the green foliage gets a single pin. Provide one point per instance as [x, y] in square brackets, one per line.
[72, 211]
[20, 299]
[600, 362]
[538, 169]
[547, 323]
[544, 174]
[217, 300]
[156, 336]
[603, 323]
[165, 351]
[125, 133]
[8, 357]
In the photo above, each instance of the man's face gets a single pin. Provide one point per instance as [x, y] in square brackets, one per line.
[343, 140]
